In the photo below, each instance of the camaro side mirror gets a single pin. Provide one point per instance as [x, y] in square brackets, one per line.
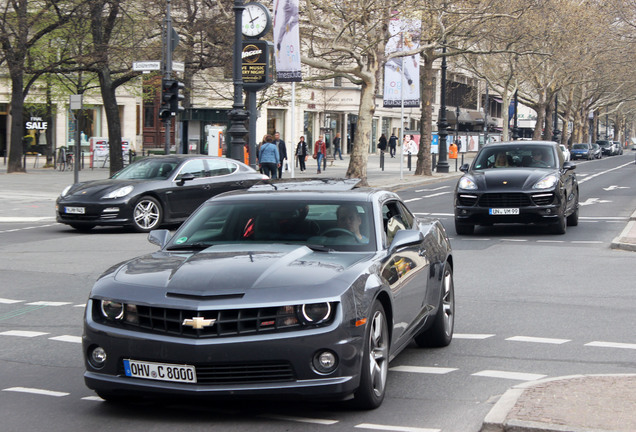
[404, 238]
[159, 237]
[184, 178]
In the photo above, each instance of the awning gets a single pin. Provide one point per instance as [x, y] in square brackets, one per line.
[477, 117]
[464, 117]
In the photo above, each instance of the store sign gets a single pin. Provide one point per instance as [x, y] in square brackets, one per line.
[256, 64]
[36, 123]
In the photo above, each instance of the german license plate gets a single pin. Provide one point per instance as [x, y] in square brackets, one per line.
[504, 211]
[160, 371]
[74, 210]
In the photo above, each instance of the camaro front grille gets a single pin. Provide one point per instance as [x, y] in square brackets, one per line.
[504, 200]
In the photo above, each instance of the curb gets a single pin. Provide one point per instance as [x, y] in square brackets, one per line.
[497, 419]
[627, 238]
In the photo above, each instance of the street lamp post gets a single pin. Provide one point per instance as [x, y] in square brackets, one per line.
[515, 125]
[486, 109]
[442, 124]
[237, 116]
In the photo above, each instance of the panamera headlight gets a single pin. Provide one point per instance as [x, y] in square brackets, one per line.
[467, 183]
[65, 191]
[546, 182]
[119, 193]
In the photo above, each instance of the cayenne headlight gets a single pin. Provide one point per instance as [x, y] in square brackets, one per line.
[119, 193]
[546, 182]
[467, 183]
[66, 189]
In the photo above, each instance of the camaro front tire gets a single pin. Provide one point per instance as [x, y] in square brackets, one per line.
[441, 332]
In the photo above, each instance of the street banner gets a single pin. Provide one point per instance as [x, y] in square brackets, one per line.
[287, 41]
[404, 36]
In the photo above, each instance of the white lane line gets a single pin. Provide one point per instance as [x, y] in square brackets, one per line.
[509, 375]
[394, 428]
[423, 369]
[604, 172]
[22, 333]
[22, 229]
[550, 241]
[67, 338]
[301, 419]
[432, 190]
[36, 391]
[25, 219]
[538, 340]
[434, 195]
[472, 336]
[9, 301]
[611, 345]
[586, 242]
[48, 303]
[412, 199]
[619, 218]
[513, 240]
[93, 398]
[83, 305]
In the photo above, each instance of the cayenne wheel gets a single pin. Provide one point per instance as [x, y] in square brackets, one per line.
[462, 228]
[573, 219]
[147, 214]
[560, 226]
[441, 332]
[375, 361]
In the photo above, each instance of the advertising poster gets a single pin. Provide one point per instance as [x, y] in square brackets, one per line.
[405, 36]
[287, 41]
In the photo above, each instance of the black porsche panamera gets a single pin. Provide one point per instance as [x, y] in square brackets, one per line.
[152, 191]
[517, 182]
[261, 293]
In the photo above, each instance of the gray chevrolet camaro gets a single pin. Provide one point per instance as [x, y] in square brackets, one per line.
[273, 292]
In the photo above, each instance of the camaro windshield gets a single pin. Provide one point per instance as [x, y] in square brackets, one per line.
[319, 225]
[147, 169]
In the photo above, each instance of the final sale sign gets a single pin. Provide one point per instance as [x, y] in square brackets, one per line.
[36, 123]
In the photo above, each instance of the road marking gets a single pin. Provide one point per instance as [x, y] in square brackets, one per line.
[93, 398]
[83, 305]
[432, 190]
[537, 340]
[611, 345]
[619, 218]
[7, 219]
[604, 172]
[9, 301]
[550, 241]
[19, 312]
[412, 199]
[26, 228]
[36, 391]
[613, 187]
[476, 336]
[394, 428]
[512, 240]
[509, 375]
[301, 419]
[48, 303]
[67, 338]
[591, 201]
[434, 195]
[587, 242]
[423, 369]
[22, 333]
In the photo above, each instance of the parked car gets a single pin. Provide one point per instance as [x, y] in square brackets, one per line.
[565, 151]
[618, 146]
[582, 151]
[152, 191]
[597, 152]
[536, 185]
[607, 147]
[273, 293]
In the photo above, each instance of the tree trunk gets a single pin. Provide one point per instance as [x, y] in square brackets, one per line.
[549, 121]
[538, 127]
[424, 160]
[360, 152]
[16, 146]
[112, 118]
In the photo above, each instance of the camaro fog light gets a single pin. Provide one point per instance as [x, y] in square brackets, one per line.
[316, 313]
[325, 362]
[98, 357]
[112, 310]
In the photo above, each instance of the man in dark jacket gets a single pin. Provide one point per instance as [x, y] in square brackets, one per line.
[282, 151]
[392, 144]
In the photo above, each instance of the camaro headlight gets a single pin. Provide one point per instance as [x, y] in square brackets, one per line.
[316, 313]
[116, 311]
[65, 191]
[306, 314]
[467, 183]
[546, 182]
[119, 193]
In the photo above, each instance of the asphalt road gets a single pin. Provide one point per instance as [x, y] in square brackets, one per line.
[529, 305]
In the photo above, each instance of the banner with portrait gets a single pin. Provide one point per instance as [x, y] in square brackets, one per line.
[402, 74]
[287, 41]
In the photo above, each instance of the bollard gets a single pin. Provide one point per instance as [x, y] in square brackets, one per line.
[434, 158]
[382, 160]
[455, 164]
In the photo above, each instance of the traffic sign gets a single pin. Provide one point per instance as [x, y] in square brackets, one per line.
[178, 66]
[147, 65]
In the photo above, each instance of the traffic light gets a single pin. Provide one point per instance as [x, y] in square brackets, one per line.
[170, 97]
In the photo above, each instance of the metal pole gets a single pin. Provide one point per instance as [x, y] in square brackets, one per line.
[78, 143]
[486, 109]
[237, 116]
[555, 131]
[167, 69]
[251, 108]
[401, 156]
[442, 125]
[515, 126]
[292, 142]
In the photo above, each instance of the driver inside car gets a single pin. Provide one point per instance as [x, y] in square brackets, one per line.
[350, 220]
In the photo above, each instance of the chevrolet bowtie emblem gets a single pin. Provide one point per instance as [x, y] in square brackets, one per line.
[505, 182]
[198, 322]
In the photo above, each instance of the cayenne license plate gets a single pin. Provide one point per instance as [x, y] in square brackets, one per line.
[160, 371]
[74, 210]
[504, 211]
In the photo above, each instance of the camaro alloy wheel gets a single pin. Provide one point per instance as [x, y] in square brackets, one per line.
[147, 214]
[441, 332]
[375, 363]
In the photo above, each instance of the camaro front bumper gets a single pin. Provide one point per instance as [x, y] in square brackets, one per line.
[240, 366]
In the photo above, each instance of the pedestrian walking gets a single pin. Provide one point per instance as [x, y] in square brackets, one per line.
[336, 146]
[392, 144]
[282, 152]
[382, 143]
[301, 153]
[268, 157]
[320, 150]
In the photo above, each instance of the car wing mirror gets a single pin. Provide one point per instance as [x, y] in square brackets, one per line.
[159, 237]
[404, 238]
[569, 165]
[464, 167]
[184, 178]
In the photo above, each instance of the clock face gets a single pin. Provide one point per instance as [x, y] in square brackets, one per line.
[256, 21]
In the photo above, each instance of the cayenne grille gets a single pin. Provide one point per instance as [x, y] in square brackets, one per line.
[503, 200]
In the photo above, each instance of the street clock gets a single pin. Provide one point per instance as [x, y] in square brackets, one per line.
[256, 20]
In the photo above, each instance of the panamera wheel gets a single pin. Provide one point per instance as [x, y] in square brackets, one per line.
[147, 214]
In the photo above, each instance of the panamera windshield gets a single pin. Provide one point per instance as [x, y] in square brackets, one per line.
[147, 169]
[318, 225]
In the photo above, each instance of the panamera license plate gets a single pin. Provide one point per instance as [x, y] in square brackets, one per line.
[74, 210]
[504, 211]
[160, 371]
